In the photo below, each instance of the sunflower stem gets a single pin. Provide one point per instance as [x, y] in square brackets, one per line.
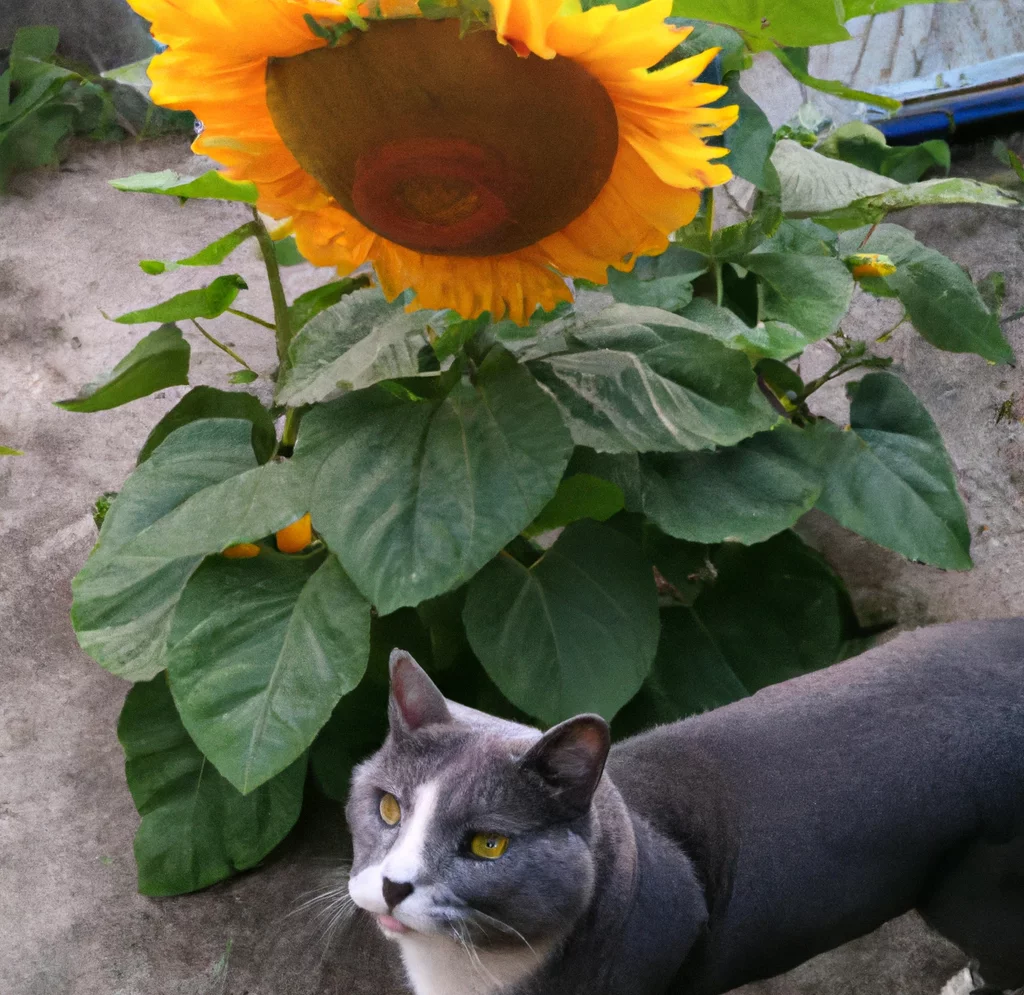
[282, 320]
[290, 432]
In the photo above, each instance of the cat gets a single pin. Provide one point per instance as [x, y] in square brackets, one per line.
[708, 853]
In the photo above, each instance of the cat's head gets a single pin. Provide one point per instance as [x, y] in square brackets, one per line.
[469, 827]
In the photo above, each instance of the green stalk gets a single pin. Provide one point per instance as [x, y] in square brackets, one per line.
[251, 317]
[220, 345]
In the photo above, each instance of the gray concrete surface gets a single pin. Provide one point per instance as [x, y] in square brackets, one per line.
[70, 920]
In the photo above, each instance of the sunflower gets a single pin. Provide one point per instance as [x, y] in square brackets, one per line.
[476, 159]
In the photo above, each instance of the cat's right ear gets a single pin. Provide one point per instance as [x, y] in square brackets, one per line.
[415, 699]
[570, 757]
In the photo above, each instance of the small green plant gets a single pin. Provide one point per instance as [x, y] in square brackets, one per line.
[43, 103]
[667, 431]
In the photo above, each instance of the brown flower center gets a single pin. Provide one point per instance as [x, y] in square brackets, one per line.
[444, 145]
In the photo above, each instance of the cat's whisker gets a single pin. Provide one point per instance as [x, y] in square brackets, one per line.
[506, 928]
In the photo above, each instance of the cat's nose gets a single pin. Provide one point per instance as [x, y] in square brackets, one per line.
[396, 891]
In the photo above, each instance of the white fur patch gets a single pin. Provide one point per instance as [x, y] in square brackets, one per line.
[439, 966]
[962, 983]
[404, 860]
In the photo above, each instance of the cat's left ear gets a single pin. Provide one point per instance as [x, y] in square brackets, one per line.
[415, 698]
[570, 757]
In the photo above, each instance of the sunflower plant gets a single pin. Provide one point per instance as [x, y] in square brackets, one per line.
[546, 430]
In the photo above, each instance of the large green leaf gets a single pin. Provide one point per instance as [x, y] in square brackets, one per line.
[891, 479]
[580, 495]
[765, 23]
[209, 402]
[159, 360]
[751, 139]
[196, 828]
[859, 8]
[954, 190]
[415, 496]
[842, 195]
[260, 652]
[664, 281]
[126, 594]
[642, 379]
[206, 302]
[312, 302]
[358, 342]
[209, 186]
[945, 307]
[745, 493]
[589, 609]
[772, 339]
[766, 614]
[809, 293]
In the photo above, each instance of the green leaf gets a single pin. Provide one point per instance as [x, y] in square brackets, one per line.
[751, 139]
[591, 610]
[664, 281]
[260, 652]
[813, 184]
[945, 307]
[772, 22]
[891, 479]
[1005, 154]
[356, 343]
[768, 613]
[287, 252]
[359, 723]
[578, 496]
[209, 186]
[159, 360]
[954, 190]
[809, 293]
[126, 594]
[842, 195]
[746, 493]
[35, 42]
[214, 254]
[196, 828]
[859, 8]
[243, 376]
[312, 302]
[8, 451]
[639, 379]
[207, 302]
[865, 146]
[462, 476]
[208, 402]
[773, 339]
[795, 62]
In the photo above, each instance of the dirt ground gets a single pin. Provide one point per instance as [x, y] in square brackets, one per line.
[71, 922]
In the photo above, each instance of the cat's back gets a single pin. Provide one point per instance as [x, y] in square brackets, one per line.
[854, 779]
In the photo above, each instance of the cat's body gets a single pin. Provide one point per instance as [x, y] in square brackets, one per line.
[711, 852]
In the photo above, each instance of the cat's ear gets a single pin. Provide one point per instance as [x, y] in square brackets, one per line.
[570, 757]
[415, 699]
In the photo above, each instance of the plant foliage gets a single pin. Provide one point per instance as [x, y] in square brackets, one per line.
[665, 429]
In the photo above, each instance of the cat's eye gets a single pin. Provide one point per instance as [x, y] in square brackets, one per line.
[490, 846]
[390, 810]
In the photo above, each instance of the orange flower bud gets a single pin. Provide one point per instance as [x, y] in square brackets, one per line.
[296, 537]
[242, 551]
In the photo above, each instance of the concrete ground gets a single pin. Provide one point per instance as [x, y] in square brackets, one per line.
[71, 922]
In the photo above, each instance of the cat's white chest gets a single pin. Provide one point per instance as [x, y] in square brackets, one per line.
[437, 966]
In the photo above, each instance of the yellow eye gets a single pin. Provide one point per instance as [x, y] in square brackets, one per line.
[490, 846]
[390, 810]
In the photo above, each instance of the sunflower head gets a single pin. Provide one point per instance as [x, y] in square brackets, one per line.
[479, 159]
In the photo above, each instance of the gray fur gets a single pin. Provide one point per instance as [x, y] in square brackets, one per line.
[735, 845]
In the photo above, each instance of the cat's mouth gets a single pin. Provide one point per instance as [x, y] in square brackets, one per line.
[392, 925]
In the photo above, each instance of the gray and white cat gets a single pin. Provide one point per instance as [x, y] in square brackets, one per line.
[711, 852]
